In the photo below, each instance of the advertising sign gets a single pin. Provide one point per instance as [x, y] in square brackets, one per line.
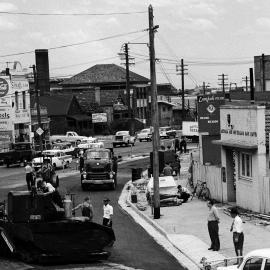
[20, 84]
[99, 117]
[190, 128]
[4, 87]
[209, 113]
[22, 116]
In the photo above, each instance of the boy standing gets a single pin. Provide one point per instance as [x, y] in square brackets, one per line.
[107, 213]
[238, 235]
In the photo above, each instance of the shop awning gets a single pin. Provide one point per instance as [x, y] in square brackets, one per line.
[236, 144]
[80, 117]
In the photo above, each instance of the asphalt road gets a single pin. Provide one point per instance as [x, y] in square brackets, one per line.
[134, 248]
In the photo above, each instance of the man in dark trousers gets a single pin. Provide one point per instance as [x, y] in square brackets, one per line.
[176, 144]
[183, 145]
[81, 162]
[213, 221]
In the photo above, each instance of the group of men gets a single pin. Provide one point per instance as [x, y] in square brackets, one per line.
[236, 228]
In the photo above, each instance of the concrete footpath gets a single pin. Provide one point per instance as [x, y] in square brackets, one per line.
[184, 228]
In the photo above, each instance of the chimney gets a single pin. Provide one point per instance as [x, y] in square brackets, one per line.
[252, 99]
[42, 66]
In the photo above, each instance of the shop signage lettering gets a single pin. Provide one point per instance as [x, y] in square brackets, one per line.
[4, 87]
[239, 132]
[209, 113]
[20, 85]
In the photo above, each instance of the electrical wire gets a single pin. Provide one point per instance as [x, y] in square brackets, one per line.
[78, 43]
[85, 63]
[71, 14]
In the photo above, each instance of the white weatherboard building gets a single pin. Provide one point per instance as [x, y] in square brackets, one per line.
[15, 116]
[243, 157]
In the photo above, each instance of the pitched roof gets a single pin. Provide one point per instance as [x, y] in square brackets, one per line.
[104, 74]
[56, 105]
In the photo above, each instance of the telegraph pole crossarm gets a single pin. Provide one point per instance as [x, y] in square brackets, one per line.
[155, 120]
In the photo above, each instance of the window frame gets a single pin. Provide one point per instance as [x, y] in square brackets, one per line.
[245, 166]
[252, 258]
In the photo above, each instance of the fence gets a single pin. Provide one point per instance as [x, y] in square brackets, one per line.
[212, 176]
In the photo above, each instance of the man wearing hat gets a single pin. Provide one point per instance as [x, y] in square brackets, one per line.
[107, 213]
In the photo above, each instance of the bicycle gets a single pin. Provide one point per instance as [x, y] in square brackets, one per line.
[201, 191]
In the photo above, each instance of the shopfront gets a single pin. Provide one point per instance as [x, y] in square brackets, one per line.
[243, 155]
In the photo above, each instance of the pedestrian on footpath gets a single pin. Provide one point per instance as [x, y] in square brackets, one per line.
[29, 176]
[238, 235]
[213, 221]
[176, 144]
[86, 208]
[107, 213]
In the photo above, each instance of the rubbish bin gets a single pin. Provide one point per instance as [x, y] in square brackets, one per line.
[136, 173]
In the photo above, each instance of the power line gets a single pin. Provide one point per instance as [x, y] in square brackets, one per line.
[78, 43]
[71, 14]
[84, 63]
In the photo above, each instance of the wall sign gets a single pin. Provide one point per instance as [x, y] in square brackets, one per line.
[4, 87]
[209, 113]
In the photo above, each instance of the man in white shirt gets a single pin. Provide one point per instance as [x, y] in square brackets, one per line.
[107, 213]
[238, 235]
[47, 187]
[29, 176]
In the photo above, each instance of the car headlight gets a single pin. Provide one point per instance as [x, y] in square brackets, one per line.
[84, 175]
[111, 174]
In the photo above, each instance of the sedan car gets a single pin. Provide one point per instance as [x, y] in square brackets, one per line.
[166, 132]
[144, 135]
[257, 260]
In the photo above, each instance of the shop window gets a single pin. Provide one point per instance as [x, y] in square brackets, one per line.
[24, 100]
[246, 165]
[16, 101]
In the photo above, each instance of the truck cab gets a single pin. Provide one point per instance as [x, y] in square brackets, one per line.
[100, 168]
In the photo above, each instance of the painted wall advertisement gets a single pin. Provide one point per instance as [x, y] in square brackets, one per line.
[5, 92]
[209, 113]
[99, 117]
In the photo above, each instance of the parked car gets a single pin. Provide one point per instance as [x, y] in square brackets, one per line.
[256, 260]
[166, 132]
[123, 138]
[58, 158]
[145, 134]
[70, 136]
[68, 148]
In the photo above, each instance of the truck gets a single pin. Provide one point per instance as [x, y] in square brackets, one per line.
[100, 168]
[16, 153]
[71, 136]
[123, 138]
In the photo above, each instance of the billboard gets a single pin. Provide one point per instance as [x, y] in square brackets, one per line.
[99, 117]
[190, 128]
[209, 113]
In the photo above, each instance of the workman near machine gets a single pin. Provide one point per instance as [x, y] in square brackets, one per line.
[183, 193]
[167, 171]
[86, 208]
[47, 171]
[29, 176]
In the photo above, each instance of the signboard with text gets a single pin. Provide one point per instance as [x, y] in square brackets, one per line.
[209, 113]
[99, 117]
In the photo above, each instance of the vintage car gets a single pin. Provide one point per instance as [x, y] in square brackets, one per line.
[70, 136]
[145, 134]
[255, 260]
[123, 138]
[68, 148]
[58, 159]
[166, 132]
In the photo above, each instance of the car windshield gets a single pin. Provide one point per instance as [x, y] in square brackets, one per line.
[48, 154]
[97, 155]
[122, 133]
[57, 147]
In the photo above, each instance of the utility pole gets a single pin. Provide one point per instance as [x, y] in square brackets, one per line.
[263, 73]
[127, 80]
[246, 79]
[252, 98]
[205, 87]
[223, 78]
[37, 105]
[182, 73]
[154, 105]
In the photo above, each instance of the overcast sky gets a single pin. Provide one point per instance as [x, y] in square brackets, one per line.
[212, 36]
